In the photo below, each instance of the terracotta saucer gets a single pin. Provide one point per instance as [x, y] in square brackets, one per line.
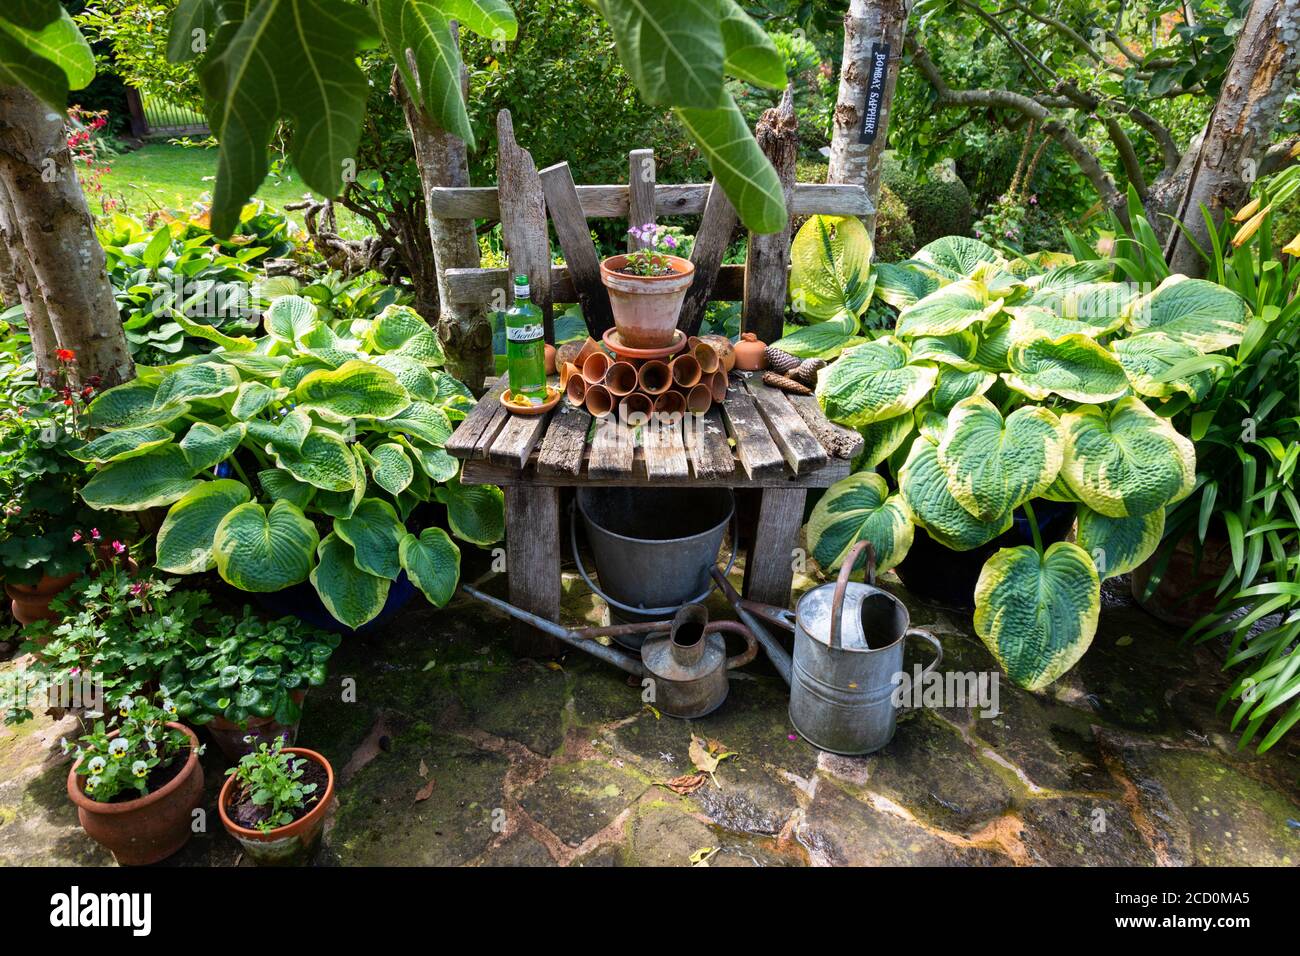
[615, 344]
[553, 394]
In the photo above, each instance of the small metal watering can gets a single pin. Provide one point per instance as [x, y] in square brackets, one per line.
[848, 649]
[685, 658]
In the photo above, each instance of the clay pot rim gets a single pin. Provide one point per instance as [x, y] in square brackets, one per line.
[291, 829]
[53, 587]
[78, 797]
[681, 267]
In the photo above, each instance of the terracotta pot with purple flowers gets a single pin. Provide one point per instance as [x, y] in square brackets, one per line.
[646, 287]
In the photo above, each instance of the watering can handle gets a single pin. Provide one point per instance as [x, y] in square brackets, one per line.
[735, 627]
[934, 642]
[842, 585]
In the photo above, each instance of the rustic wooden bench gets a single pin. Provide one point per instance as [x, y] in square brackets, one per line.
[759, 438]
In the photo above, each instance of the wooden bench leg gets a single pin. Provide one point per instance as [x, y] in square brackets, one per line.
[769, 569]
[533, 564]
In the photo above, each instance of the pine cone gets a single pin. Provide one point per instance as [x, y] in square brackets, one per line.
[777, 380]
[807, 371]
[780, 361]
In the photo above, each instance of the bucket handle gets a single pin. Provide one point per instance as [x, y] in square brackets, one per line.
[933, 641]
[595, 589]
[842, 586]
[735, 627]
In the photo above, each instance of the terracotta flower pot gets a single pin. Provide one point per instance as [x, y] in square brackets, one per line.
[654, 377]
[31, 602]
[1186, 589]
[718, 385]
[152, 828]
[637, 403]
[726, 351]
[598, 401]
[646, 307]
[707, 356]
[621, 379]
[685, 371]
[594, 368]
[288, 845]
[576, 386]
[229, 736]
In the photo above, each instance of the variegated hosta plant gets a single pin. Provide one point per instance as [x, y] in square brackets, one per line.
[298, 455]
[1009, 381]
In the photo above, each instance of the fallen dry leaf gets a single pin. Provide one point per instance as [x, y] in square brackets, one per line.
[425, 792]
[424, 771]
[707, 755]
[366, 751]
[686, 783]
[702, 856]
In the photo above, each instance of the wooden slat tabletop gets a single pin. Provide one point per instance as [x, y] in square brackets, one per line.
[758, 437]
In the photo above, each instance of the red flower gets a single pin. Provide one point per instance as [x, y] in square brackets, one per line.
[65, 355]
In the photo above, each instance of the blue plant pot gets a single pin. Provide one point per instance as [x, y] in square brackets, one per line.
[302, 601]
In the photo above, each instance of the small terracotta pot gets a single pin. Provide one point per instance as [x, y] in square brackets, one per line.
[686, 371]
[654, 377]
[289, 845]
[670, 403]
[576, 387]
[707, 356]
[637, 403]
[568, 352]
[567, 370]
[31, 602]
[751, 354]
[726, 351]
[718, 385]
[152, 828]
[549, 351]
[229, 736]
[646, 307]
[598, 401]
[699, 399]
[621, 379]
[594, 367]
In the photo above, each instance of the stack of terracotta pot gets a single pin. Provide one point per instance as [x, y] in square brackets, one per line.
[689, 378]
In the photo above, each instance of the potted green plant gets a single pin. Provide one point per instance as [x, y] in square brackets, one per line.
[137, 785]
[245, 679]
[646, 287]
[299, 456]
[1003, 383]
[274, 802]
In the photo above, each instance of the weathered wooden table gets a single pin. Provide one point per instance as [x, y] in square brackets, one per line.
[759, 438]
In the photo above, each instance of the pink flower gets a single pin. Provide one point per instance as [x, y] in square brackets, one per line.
[76, 536]
[139, 588]
[119, 547]
[94, 534]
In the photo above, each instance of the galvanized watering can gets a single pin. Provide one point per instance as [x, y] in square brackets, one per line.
[685, 658]
[848, 649]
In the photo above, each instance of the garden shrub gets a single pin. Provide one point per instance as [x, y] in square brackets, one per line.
[939, 206]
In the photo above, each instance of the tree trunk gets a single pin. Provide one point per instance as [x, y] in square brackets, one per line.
[9, 292]
[441, 159]
[874, 31]
[768, 255]
[50, 217]
[37, 318]
[1259, 79]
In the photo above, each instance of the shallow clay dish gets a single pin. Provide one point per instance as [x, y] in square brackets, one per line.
[553, 393]
[615, 344]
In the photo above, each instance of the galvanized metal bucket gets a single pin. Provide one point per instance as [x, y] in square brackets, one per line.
[848, 651]
[653, 548]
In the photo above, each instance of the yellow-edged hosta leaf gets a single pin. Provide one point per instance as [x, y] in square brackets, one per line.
[1150, 357]
[1073, 366]
[1118, 545]
[1195, 312]
[350, 594]
[858, 508]
[872, 382]
[260, 550]
[924, 487]
[951, 308]
[185, 539]
[830, 271]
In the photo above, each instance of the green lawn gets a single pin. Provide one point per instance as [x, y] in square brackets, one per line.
[164, 176]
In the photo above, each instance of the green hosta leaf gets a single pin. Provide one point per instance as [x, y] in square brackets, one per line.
[228, 343]
[1118, 545]
[880, 439]
[1030, 321]
[412, 375]
[951, 308]
[900, 285]
[1150, 357]
[823, 340]
[207, 445]
[432, 562]
[391, 467]
[342, 504]
[350, 594]
[157, 477]
[994, 465]
[48, 60]
[1060, 490]
[257, 550]
[830, 268]
[374, 532]
[324, 461]
[1126, 460]
[1195, 312]
[196, 382]
[737, 163]
[924, 487]
[280, 485]
[452, 393]
[400, 329]
[285, 435]
[955, 257]
[1037, 614]
[994, 348]
[433, 460]
[856, 508]
[929, 423]
[419, 420]
[476, 513]
[186, 536]
[872, 382]
[123, 443]
[1048, 285]
[293, 59]
[954, 384]
[957, 350]
[419, 35]
[673, 49]
[1098, 305]
[1072, 366]
[751, 54]
[129, 405]
[253, 397]
[256, 365]
[357, 389]
[290, 318]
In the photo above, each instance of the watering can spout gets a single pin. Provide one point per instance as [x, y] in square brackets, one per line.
[753, 616]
